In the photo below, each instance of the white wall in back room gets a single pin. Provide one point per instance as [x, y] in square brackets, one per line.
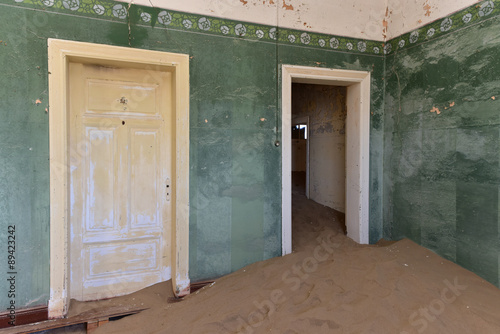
[326, 108]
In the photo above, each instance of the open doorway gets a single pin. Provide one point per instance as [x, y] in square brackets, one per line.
[357, 134]
[318, 145]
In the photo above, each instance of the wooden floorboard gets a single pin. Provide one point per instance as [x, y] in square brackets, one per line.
[93, 318]
[88, 317]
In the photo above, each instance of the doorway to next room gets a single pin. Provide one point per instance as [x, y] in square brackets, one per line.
[357, 146]
[318, 151]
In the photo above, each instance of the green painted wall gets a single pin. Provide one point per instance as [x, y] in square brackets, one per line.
[441, 168]
[433, 177]
[235, 172]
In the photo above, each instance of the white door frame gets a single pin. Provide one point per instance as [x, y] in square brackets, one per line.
[60, 53]
[357, 145]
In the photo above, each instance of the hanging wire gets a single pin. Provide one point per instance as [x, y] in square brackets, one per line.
[277, 141]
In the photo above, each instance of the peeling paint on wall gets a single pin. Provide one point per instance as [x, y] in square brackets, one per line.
[427, 9]
[356, 18]
[408, 15]
[436, 110]
[287, 7]
[385, 24]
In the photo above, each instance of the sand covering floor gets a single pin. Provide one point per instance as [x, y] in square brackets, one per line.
[329, 284]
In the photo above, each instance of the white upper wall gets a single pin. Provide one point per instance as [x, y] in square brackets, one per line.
[353, 18]
[407, 15]
[366, 19]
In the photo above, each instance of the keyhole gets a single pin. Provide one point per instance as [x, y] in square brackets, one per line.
[123, 122]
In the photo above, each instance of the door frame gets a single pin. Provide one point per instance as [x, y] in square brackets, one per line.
[60, 54]
[304, 120]
[357, 145]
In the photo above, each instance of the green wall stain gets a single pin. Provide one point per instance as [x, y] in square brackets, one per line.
[442, 170]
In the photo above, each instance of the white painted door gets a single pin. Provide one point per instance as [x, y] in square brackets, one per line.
[120, 174]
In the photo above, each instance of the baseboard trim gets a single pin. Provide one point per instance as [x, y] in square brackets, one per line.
[25, 316]
[41, 313]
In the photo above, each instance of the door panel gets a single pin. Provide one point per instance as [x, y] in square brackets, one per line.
[106, 97]
[121, 165]
[100, 195]
[126, 258]
[145, 179]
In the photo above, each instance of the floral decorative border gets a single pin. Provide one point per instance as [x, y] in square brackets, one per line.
[466, 17]
[168, 19]
[325, 41]
[97, 8]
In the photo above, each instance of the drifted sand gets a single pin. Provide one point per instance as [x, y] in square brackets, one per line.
[329, 284]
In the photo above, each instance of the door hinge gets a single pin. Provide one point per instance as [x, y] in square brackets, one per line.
[168, 190]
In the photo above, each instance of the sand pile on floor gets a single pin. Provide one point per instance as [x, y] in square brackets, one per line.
[151, 297]
[331, 285]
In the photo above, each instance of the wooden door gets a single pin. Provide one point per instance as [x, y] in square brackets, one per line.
[120, 133]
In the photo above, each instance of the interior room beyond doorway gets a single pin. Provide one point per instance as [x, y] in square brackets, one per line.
[318, 142]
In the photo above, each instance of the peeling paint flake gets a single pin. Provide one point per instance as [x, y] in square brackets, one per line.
[436, 110]
[427, 10]
[287, 7]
